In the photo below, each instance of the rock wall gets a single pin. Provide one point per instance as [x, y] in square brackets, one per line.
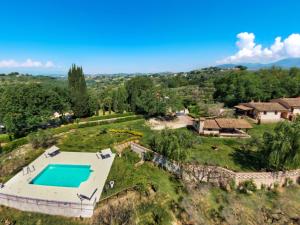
[219, 175]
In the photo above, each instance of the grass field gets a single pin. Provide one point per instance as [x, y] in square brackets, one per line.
[124, 172]
[91, 139]
[211, 205]
[228, 153]
[125, 175]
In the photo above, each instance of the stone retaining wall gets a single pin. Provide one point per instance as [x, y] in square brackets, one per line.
[220, 175]
[269, 178]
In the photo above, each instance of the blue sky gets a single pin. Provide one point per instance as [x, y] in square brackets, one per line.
[142, 36]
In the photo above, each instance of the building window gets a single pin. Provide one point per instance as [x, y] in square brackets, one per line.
[265, 112]
[276, 112]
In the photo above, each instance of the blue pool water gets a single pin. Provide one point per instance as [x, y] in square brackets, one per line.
[62, 175]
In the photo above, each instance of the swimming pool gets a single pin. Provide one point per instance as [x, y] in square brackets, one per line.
[63, 175]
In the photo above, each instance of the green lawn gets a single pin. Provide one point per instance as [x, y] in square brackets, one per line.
[125, 175]
[123, 172]
[258, 130]
[228, 153]
[205, 154]
[91, 140]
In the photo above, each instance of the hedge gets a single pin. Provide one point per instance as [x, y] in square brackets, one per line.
[132, 132]
[4, 138]
[95, 118]
[22, 141]
[14, 144]
[104, 122]
[63, 129]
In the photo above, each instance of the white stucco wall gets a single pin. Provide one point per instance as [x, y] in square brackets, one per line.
[296, 112]
[269, 116]
[211, 132]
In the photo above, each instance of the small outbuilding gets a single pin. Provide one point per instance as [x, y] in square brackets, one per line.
[226, 127]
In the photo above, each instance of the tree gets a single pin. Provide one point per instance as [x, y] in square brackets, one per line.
[119, 100]
[241, 67]
[135, 87]
[23, 107]
[78, 92]
[281, 148]
[172, 144]
[107, 104]
[41, 138]
[152, 102]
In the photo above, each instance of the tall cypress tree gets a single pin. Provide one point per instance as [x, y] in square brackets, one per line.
[78, 92]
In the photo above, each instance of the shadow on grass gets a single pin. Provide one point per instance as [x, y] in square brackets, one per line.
[248, 160]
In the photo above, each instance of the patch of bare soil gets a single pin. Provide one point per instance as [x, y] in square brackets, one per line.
[161, 123]
[209, 205]
[12, 162]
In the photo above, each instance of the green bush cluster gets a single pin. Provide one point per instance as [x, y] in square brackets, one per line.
[247, 187]
[104, 122]
[63, 129]
[148, 156]
[14, 144]
[4, 138]
[41, 138]
[22, 141]
[132, 132]
[111, 116]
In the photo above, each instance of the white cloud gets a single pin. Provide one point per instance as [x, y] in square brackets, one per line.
[249, 51]
[29, 63]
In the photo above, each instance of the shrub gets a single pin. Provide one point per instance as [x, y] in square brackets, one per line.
[14, 144]
[154, 187]
[276, 185]
[141, 188]
[94, 118]
[288, 182]
[103, 122]
[232, 184]
[4, 138]
[263, 187]
[131, 157]
[115, 214]
[103, 130]
[148, 156]
[41, 139]
[247, 187]
[132, 132]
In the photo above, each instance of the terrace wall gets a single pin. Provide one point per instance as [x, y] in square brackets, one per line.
[48, 207]
[220, 175]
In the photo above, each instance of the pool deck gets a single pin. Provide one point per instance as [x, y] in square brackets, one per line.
[19, 186]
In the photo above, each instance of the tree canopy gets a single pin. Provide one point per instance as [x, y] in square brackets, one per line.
[25, 106]
[173, 144]
[78, 92]
[281, 148]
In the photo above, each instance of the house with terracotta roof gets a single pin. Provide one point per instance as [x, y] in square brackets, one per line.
[291, 104]
[226, 127]
[263, 112]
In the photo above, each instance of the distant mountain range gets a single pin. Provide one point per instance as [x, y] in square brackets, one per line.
[284, 63]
